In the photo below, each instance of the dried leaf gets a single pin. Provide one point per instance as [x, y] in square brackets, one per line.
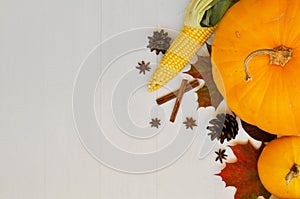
[256, 133]
[243, 173]
[209, 47]
[194, 73]
[203, 97]
[202, 69]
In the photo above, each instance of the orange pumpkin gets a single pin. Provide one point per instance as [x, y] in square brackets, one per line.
[279, 167]
[256, 63]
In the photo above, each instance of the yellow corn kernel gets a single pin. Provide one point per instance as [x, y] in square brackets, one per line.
[182, 50]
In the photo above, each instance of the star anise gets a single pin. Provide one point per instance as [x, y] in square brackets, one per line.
[190, 123]
[224, 126]
[160, 42]
[143, 67]
[221, 155]
[155, 122]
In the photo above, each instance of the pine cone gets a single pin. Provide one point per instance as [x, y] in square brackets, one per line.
[160, 42]
[224, 126]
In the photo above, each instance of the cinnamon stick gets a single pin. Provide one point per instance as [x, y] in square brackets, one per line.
[178, 99]
[165, 98]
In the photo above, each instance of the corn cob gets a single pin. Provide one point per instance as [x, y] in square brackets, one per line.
[185, 46]
[181, 51]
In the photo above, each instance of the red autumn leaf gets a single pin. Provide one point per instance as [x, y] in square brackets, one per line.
[243, 173]
[209, 95]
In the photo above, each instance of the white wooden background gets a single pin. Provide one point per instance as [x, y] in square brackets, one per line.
[42, 44]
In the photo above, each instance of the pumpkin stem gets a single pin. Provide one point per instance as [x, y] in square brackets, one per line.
[278, 56]
[293, 173]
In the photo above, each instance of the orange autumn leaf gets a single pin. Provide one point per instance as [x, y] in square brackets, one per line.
[243, 173]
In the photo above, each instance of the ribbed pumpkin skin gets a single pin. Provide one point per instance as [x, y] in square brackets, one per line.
[271, 100]
[275, 162]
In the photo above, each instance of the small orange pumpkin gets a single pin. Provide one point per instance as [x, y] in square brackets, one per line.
[256, 63]
[279, 167]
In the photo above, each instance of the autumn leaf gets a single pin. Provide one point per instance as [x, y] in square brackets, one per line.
[209, 47]
[256, 133]
[203, 97]
[209, 95]
[194, 72]
[243, 173]
[201, 69]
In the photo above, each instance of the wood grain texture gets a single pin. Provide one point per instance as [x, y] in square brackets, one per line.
[42, 46]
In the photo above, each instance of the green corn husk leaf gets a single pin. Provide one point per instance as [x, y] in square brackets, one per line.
[213, 15]
[195, 12]
[206, 13]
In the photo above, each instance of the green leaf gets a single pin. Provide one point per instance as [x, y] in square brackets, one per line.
[213, 15]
